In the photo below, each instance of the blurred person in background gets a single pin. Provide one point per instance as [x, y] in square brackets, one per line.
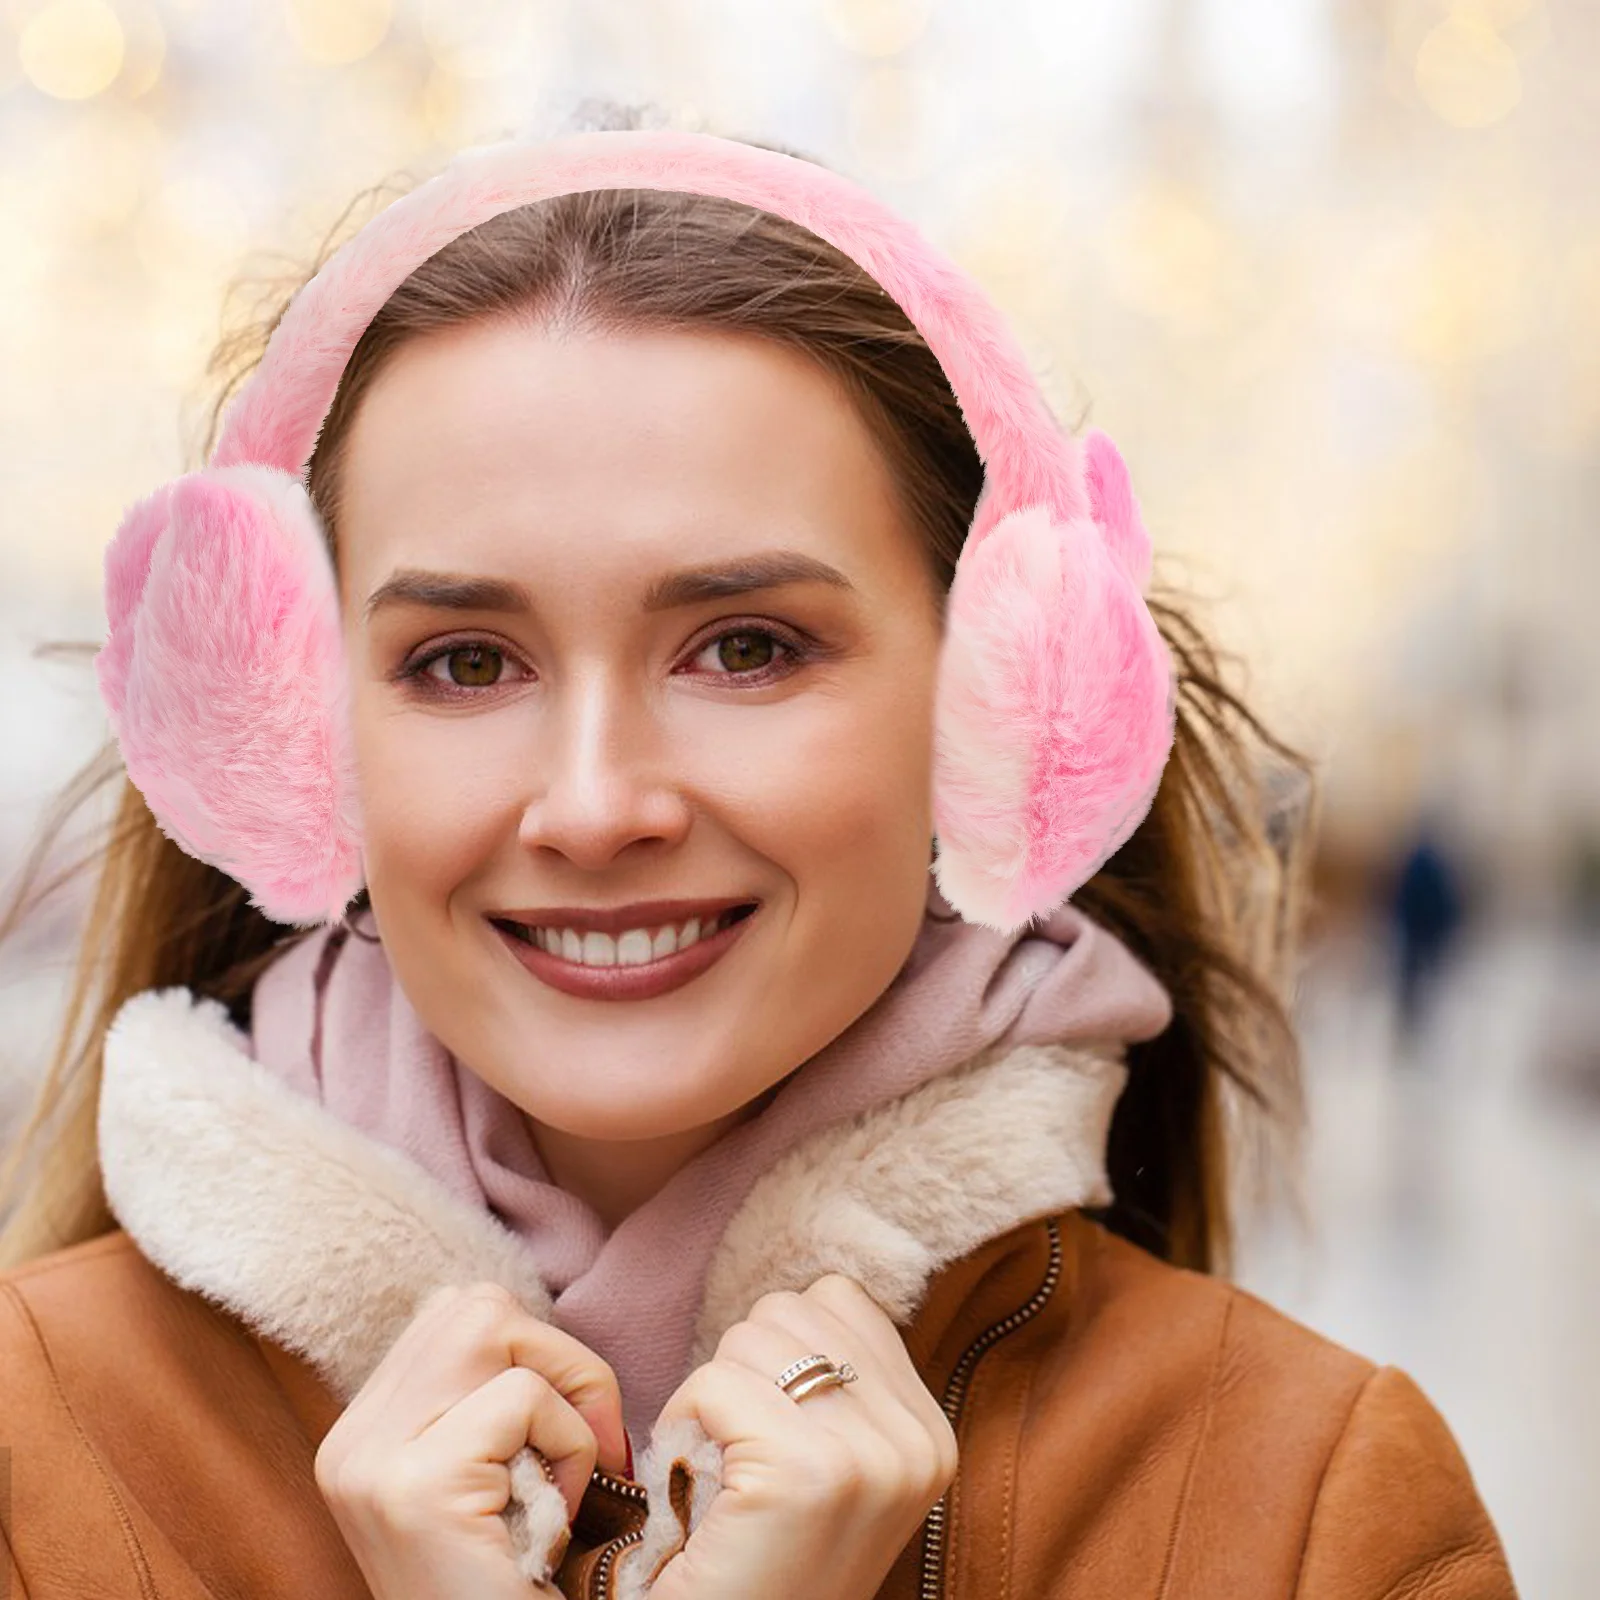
[1427, 908]
[1080, 1404]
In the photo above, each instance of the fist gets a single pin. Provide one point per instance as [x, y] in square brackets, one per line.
[415, 1470]
[818, 1496]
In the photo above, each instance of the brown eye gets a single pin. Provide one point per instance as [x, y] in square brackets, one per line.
[473, 666]
[737, 655]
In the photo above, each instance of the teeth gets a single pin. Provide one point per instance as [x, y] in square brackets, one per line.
[633, 948]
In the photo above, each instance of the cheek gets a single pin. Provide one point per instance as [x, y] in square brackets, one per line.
[427, 815]
[847, 791]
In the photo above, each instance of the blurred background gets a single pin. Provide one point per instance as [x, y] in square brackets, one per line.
[1329, 272]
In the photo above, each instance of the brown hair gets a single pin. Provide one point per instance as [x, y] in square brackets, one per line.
[1206, 891]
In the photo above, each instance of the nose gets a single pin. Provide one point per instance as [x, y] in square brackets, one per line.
[602, 779]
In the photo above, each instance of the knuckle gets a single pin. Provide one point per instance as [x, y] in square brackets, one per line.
[836, 1286]
[846, 1298]
[529, 1388]
[832, 1471]
[739, 1338]
[489, 1293]
[345, 1483]
[933, 1472]
[484, 1305]
[605, 1375]
[327, 1469]
[774, 1303]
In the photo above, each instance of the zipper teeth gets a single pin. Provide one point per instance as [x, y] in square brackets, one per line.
[956, 1391]
[608, 1556]
[634, 1491]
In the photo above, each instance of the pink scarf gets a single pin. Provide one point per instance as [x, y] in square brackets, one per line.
[329, 1018]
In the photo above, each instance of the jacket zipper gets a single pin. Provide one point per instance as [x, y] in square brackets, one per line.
[608, 1556]
[934, 1528]
[955, 1393]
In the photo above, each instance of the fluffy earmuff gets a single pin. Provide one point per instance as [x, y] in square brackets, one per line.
[224, 675]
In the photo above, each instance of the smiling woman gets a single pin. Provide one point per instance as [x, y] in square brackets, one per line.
[647, 1090]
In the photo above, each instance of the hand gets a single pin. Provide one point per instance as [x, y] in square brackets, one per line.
[819, 1496]
[415, 1468]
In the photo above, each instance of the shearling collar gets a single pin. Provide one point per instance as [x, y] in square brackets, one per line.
[324, 1241]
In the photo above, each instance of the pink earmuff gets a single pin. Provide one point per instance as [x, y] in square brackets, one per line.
[223, 672]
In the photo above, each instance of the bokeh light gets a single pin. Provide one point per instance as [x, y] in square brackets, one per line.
[1467, 73]
[72, 49]
[333, 33]
[877, 27]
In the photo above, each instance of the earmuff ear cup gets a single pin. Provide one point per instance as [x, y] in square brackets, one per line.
[224, 677]
[1054, 714]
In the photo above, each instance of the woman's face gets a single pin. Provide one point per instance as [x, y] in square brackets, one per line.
[572, 744]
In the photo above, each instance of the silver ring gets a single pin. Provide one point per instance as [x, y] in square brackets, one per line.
[813, 1373]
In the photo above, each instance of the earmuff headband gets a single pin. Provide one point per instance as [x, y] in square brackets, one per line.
[224, 673]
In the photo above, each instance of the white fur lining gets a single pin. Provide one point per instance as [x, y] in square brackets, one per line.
[326, 1241]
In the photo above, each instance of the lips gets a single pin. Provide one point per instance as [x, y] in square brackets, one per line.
[639, 982]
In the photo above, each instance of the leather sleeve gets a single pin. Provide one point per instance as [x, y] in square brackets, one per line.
[1398, 1516]
[12, 1587]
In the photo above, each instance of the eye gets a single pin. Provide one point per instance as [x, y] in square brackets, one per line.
[746, 652]
[470, 666]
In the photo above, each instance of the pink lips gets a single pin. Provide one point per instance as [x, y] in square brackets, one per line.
[626, 983]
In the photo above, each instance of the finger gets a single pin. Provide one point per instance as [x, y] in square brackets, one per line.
[514, 1408]
[738, 1406]
[891, 1394]
[844, 1298]
[465, 1338]
[869, 1403]
[846, 1323]
[416, 1343]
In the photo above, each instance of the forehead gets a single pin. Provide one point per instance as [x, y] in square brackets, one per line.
[616, 447]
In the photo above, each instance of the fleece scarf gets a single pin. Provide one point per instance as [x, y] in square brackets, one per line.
[329, 1019]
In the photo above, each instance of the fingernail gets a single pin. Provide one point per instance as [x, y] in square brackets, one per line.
[629, 1443]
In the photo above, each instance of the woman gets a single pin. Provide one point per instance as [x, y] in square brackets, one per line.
[651, 1093]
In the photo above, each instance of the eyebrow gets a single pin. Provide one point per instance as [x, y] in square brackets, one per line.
[451, 591]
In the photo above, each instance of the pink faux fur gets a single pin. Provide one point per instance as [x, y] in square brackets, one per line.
[224, 674]
[224, 678]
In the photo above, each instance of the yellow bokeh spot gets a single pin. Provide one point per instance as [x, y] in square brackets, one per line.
[1467, 74]
[439, 105]
[146, 48]
[886, 121]
[96, 167]
[485, 38]
[333, 33]
[1497, 14]
[72, 49]
[1167, 256]
[876, 27]
[1465, 301]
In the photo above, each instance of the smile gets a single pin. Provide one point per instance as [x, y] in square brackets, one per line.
[637, 982]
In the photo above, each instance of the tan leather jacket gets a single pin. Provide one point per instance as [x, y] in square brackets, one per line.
[1126, 1428]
